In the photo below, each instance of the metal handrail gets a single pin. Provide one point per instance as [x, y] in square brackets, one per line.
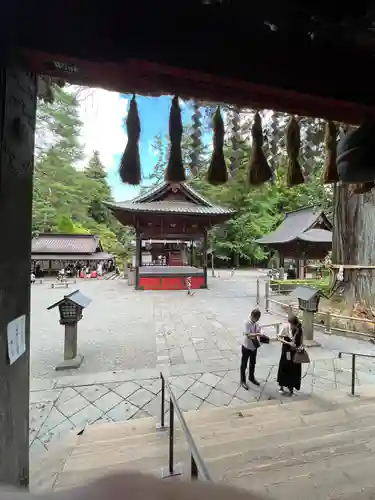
[353, 355]
[198, 467]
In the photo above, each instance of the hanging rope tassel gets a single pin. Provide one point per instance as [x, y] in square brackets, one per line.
[293, 144]
[330, 174]
[217, 171]
[259, 169]
[130, 165]
[175, 171]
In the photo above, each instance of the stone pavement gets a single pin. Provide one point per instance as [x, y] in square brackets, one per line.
[71, 402]
[128, 337]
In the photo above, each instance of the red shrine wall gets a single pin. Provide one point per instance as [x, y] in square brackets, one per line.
[169, 282]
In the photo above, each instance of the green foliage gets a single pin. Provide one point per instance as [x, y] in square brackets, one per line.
[259, 210]
[67, 199]
[320, 284]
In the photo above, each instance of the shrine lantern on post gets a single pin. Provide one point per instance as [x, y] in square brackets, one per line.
[71, 312]
[308, 302]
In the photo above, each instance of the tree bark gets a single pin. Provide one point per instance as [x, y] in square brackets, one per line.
[17, 128]
[353, 241]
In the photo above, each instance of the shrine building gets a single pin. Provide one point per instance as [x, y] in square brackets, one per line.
[172, 218]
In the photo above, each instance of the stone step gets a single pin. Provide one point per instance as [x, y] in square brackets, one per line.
[345, 476]
[270, 460]
[152, 460]
[268, 444]
[115, 430]
[44, 472]
[275, 425]
[128, 444]
[261, 413]
[217, 414]
[120, 451]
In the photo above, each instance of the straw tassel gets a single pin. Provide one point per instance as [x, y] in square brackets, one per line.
[330, 174]
[293, 144]
[217, 171]
[175, 171]
[259, 169]
[130, 165]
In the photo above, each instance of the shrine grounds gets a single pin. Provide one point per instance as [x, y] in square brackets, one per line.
[127, 337]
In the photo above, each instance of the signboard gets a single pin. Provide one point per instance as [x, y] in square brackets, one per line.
[16, 336]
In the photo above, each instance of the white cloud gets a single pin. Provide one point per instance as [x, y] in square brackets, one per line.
[102, 113]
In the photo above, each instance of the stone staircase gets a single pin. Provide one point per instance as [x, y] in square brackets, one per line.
[321, 447]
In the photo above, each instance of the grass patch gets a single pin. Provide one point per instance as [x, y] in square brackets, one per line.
[288, 285]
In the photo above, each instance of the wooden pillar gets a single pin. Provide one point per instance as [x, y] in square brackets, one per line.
[138, 252]
[192, 254]
[204, 250]
[17, 130]
[281, 264]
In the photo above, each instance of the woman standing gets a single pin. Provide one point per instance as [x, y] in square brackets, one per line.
[289, 374]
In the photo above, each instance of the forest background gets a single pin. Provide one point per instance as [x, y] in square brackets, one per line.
[71, 197]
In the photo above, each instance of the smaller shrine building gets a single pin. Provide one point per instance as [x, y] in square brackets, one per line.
[304, 234]
[53, 251]
[171, 221]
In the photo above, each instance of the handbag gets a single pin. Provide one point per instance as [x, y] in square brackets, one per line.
[264, 339]
[301, 357]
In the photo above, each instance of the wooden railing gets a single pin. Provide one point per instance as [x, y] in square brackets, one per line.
[325, 319]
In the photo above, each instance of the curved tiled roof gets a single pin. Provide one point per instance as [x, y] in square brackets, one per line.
[152, 201]
[171, 207]
[53, 243]
[299, 225]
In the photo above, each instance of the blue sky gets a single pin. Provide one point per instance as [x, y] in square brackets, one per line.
[103, 114]
[154, 116]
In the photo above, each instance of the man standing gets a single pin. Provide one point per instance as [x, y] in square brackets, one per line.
[250, 345]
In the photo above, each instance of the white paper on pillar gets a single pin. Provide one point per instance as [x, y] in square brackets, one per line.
[16, 336]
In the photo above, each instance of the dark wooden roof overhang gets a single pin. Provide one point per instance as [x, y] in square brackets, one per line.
[310, 58]
[299, 249]
[169, 225]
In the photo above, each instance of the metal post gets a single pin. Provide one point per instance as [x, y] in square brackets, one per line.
[277, 329]
[171, 435]
[267, 296]
[353, 374]
[162, 426]
[193, 469]
[258, 293]
[162, 401]
[328, 323]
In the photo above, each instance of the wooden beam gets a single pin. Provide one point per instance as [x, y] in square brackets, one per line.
[138, 256]
[204, 257]
[290, 70]
[17, 127]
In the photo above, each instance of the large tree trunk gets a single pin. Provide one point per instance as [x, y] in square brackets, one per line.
[354, 241]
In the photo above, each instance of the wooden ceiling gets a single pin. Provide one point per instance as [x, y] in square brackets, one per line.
[311, 57]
